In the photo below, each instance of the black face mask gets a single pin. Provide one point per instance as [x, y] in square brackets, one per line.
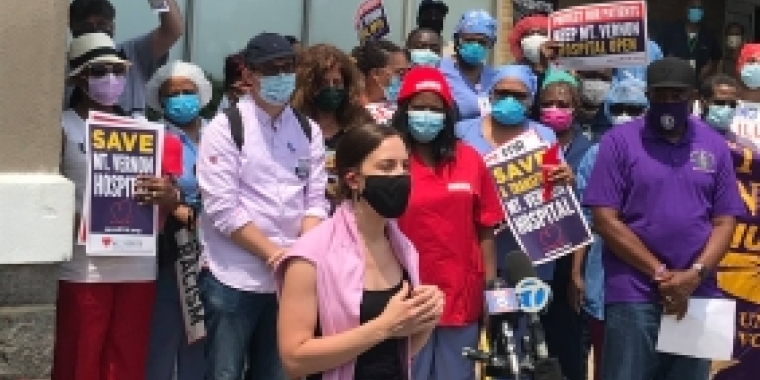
[388, 195]
[427, 22]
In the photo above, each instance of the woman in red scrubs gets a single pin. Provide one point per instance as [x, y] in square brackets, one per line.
[450, 219]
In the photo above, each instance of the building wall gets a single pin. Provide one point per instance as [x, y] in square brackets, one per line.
[36, 203]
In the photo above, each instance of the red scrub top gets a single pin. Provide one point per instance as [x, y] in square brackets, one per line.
[447, 205]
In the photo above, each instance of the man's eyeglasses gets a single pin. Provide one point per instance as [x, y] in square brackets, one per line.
[272, 69]
[99, 70]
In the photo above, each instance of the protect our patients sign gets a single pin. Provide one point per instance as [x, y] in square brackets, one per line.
[544, 230]
[117, 153]
[371, 20]
[601, 35]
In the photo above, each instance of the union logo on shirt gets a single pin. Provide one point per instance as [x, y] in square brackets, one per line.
[703, 161]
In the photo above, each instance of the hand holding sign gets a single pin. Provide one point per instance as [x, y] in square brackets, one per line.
[550, 164]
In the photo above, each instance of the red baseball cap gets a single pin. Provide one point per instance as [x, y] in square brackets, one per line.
[425, 78]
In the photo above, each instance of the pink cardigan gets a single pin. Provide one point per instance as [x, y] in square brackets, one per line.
[334, 248]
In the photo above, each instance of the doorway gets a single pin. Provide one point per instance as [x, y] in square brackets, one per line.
[747, 14]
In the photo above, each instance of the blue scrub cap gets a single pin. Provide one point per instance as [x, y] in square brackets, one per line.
[520, 72]
[627, 91]
[477, 22]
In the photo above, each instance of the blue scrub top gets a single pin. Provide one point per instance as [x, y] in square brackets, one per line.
[465, 93]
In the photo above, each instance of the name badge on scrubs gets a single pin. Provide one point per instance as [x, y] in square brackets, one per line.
[484, 104]
[303, 168]
[693, 63]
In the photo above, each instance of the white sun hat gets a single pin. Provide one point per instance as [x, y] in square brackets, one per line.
[90, 48]
[177, 69]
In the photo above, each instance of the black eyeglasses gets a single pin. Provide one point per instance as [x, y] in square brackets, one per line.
[723, 103]
[501, 94]
[99, 70]
[628, 109]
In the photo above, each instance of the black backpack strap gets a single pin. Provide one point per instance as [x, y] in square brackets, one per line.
[236, 125]
[305, 124]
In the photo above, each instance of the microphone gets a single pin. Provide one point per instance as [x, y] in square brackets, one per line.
[502, 307]
[533, 296]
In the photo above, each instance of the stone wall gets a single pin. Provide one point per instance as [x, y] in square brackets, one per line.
[32, 44]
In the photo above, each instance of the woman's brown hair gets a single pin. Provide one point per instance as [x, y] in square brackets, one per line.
[313, 64]
[355, 146]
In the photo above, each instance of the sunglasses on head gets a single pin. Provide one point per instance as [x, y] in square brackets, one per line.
[628, 109]
[99, 70]
[723, 103]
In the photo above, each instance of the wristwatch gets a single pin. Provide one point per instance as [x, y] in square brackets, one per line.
[701, 270]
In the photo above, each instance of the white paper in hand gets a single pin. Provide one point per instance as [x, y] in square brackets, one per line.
[706, 332]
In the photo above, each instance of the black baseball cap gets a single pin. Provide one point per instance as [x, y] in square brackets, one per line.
[671, 72]
[424, 4]
[266, 47]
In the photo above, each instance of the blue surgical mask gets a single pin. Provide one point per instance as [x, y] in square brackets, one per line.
[277, 89]
[425, 125]
[424, 57]
[695, 15]
[182, 109]
[719, 117]
[392, 89]
[473, 53]
[509, 111]
[751, 75]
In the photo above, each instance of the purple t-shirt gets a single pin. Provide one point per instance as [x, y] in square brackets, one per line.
[667, 194]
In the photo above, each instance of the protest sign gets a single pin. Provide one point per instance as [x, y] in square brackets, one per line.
[188, 269]
[117, 153]
[601, 35]
[746, 122]
[545, 230]
[100, 117]
[523, 8]
[371, 21]
[739, 271]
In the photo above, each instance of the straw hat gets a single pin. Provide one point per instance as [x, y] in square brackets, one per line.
[90, 48]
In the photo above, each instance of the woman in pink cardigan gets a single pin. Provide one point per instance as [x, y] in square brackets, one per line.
[351, 306]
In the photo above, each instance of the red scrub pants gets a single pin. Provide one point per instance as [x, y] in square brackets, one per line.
[102, 330]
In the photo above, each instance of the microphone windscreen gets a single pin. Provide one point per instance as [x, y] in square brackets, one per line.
[517, 267]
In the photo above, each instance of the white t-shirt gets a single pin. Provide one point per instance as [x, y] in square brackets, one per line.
[83, 268]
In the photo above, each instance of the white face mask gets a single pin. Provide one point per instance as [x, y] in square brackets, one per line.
[692, 35]
[531, 47]
[593, 91]
[734, 41]
[621, 119]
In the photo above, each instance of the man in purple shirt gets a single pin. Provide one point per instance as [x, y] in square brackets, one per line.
[257, 200]
[664, 198]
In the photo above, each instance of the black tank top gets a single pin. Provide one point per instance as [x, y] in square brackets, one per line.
[383, 361]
